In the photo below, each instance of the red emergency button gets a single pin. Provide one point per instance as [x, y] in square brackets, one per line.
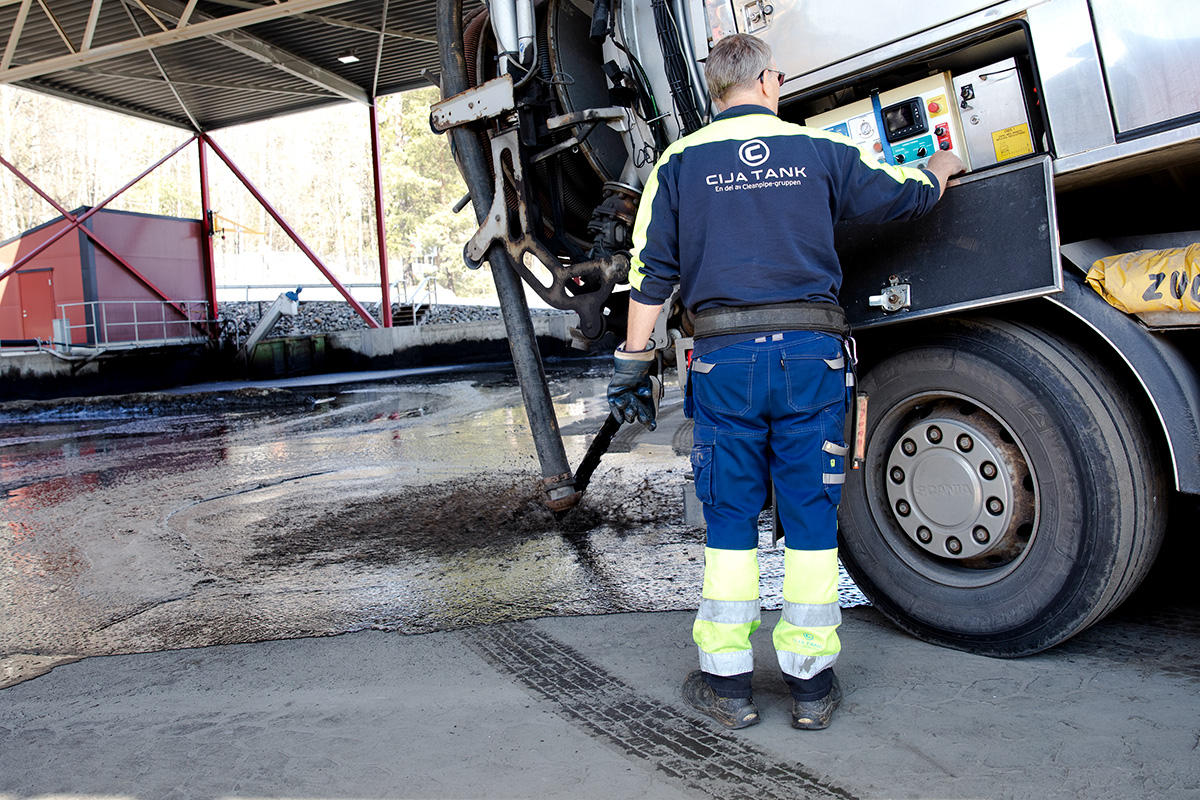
[934, 108]
[878, 147]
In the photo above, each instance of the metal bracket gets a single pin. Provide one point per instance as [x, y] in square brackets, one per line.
[485, 101]
[581, 287]
[895, 296]
[586, 120]
[616, 117]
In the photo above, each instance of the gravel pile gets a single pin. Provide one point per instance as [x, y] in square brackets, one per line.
[326, 316]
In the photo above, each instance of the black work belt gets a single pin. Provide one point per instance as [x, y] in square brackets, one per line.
[800, 316]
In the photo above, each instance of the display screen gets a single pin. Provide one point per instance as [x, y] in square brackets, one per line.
[903, 120]
[898, 118]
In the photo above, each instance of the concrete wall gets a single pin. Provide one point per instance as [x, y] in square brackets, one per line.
[41, 375]
[35, 375]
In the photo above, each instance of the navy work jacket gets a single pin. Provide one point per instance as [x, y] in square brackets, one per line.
[741, 212]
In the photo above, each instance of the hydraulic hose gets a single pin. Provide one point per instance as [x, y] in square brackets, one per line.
[472, 161]
[675, 65]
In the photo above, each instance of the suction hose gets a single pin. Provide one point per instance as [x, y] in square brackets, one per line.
[473, 163]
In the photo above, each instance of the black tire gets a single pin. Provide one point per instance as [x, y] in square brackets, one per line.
[1011, 495]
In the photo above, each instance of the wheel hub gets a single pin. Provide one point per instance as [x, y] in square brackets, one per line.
[950, 489]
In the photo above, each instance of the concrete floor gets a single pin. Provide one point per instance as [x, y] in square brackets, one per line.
[355, 593]
[588, 707]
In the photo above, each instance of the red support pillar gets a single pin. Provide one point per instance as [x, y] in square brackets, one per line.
[295, 237]
[206, 228]
[380, 227]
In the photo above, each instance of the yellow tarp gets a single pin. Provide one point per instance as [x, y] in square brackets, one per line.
[1150, 280]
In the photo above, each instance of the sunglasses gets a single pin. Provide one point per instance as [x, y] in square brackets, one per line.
[778, 74]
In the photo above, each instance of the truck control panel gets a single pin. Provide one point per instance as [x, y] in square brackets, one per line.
[981, 116]
[916, 121]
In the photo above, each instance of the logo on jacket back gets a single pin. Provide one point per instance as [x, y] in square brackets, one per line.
[754, 152]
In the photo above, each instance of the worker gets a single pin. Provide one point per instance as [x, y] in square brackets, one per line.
[740, 215]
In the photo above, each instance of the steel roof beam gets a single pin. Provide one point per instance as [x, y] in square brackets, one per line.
[261, 50]
[109, 104]
[15, 35]
[186, 16]
[393, 32]
[239, 87]
[213, 27]
[379, 54]
[161, 70]
[339, 23]
[62, 34]
[90, 31]
[281, 59]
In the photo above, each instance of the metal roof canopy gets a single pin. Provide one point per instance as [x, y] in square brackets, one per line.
[208, 64]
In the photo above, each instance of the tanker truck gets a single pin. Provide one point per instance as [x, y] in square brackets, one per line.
[1027, 350]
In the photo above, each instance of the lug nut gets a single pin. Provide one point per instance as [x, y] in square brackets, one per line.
[994, 506]
[909, 447]
[954, 546]
[965, 444]
[934, 434]
[981, 535]
[924, 534]
[897, 475]
[903, 508]
[988, 470]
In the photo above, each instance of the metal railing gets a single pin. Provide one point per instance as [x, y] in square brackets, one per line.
[401, 290]
[132, 323]
[424, 293]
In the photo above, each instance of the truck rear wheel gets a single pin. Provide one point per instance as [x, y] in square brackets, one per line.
[1011, 496]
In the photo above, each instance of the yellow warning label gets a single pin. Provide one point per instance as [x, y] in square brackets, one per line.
[1012, 142]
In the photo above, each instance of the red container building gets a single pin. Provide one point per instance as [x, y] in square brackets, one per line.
[101, 301]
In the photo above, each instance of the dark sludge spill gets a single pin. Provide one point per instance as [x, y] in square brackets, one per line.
[439, 519]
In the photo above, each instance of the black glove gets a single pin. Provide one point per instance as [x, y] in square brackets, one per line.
[631, 392]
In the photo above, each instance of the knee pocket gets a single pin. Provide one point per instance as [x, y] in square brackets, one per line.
[704, 439]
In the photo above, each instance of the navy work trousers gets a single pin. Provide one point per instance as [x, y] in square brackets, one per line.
[771, 409]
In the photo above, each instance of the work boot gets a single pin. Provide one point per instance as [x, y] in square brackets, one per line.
[815, 715]
[732, 712]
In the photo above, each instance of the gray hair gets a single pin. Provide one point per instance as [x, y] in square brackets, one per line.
[735, 62]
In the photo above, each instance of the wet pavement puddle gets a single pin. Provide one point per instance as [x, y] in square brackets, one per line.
[407, 504]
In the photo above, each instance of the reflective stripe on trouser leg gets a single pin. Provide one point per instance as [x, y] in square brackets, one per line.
[729, 611]
[805, 637]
